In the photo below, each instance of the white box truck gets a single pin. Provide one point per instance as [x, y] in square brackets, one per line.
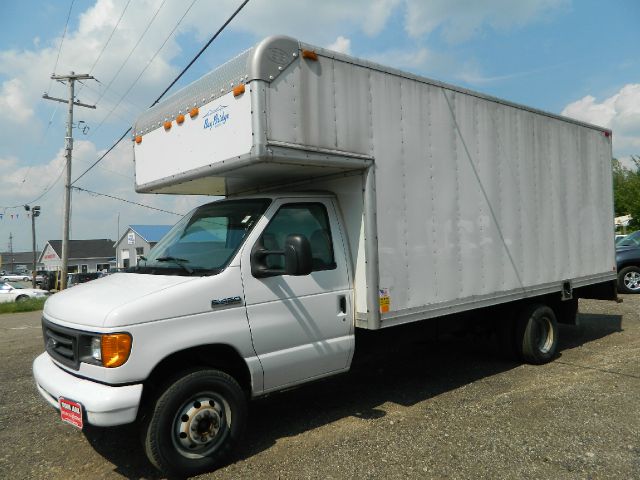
[356, 197]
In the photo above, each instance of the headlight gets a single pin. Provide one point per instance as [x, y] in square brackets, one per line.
[96, 349]
[111, 350]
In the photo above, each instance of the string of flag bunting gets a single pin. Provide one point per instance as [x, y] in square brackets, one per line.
[14, 216]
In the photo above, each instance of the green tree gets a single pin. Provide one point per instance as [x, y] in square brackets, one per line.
[626, 189]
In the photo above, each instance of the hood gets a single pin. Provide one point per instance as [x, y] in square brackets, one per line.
[626, 248]
[89, 304]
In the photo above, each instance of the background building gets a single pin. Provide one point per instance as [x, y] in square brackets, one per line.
[136, 242]
[84, 255]
[16, 261]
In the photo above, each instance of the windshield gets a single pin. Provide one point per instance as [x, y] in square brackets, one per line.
[205, 240]
[631, 240]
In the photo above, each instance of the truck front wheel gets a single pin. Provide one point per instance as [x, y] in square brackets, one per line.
[195, 423]
[536, 334]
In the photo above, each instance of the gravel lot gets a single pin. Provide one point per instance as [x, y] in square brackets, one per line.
[446, 409]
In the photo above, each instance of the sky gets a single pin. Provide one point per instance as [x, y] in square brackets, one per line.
[571, 57]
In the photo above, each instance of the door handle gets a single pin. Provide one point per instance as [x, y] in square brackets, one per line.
[342, 304]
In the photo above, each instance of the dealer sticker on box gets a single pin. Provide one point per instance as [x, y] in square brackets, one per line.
[70, 412]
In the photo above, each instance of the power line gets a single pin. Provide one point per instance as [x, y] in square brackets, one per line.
[149, 62]
[110, 36]
[104, 47]
[201, 51]
[46, 190]
[64, 33]
[90, 192]
[133, 49]
[102, 156]
[184, 70]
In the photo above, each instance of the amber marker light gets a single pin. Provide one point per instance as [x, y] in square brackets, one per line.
[116, 348]
[310, 55]
[194, 112]
[167, 125]
[238, 90]
[138, 139]
[180, 119]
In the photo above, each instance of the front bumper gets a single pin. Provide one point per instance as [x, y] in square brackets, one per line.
[104, 405]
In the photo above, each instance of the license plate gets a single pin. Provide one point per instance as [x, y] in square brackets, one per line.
[70, 412]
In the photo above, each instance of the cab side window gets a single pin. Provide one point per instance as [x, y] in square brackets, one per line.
[308, 219]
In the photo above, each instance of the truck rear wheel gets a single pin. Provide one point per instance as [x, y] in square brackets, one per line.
[536, 338]
[195, 423]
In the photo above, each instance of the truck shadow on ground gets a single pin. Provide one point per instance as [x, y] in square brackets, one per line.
[405, 367]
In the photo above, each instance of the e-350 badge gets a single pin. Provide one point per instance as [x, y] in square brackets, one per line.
[224, 302]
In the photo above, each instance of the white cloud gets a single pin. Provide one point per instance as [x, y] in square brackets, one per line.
[377, 14]
[460, 20]
[342, 45]
[14, 102]
[620, 113]
[415, 60]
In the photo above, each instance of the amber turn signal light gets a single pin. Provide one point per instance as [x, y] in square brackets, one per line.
[310, 55]
[116, 348]
[138, 139]
[238, 90]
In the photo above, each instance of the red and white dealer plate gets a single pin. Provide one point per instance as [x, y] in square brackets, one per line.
[70, 412]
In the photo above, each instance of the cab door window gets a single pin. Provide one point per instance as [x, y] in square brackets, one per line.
[308, 219]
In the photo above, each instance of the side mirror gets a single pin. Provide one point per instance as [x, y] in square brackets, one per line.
[297, 255]
[297, 258]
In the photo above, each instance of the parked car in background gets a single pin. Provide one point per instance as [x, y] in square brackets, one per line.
[76, 278]
[628, 263]
[15, 293]
[619, 238]
[14, 277]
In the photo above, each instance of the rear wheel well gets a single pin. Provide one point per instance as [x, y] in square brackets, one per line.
[218, 356]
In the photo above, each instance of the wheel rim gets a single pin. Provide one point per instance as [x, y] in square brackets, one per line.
[632, 280]
[543, 331]
[201, 425]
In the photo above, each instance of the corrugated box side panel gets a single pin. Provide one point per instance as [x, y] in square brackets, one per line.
[321, 104]
[480, 199]
[475, 198]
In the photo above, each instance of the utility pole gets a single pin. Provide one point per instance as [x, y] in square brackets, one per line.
[35, 212]
[70, 80]
[11, 252]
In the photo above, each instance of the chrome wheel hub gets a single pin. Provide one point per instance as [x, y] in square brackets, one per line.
[200, 425]
[632, 280]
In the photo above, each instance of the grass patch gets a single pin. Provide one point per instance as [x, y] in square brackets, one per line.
[29, 305]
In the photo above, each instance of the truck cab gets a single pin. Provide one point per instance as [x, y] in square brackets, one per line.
[259, 287]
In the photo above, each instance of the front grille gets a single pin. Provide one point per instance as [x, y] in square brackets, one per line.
[62, 344]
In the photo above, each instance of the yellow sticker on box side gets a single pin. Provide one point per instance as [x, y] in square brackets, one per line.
[385, 300]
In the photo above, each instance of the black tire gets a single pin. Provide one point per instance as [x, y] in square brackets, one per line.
[536, 338]
[25, 279]
[195, 423]
[22, 298]
[629, 280]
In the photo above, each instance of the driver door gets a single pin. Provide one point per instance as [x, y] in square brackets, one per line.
[301, 326]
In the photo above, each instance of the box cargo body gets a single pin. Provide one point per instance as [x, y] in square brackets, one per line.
[452, 200]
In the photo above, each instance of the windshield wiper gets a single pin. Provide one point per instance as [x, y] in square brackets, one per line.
[178, 261]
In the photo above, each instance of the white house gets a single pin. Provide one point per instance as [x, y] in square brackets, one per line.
[136, 241]
[84, 255]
